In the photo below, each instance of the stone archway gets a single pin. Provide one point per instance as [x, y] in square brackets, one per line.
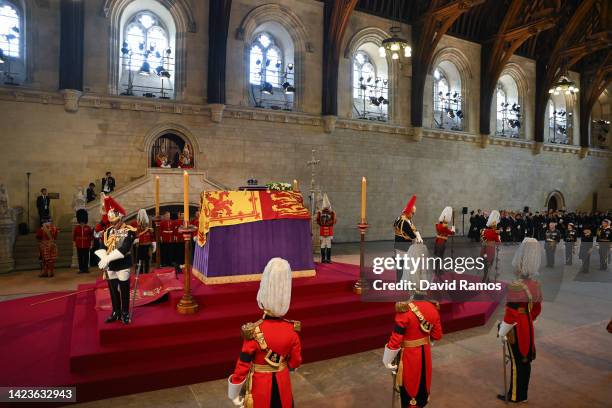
[555, 201]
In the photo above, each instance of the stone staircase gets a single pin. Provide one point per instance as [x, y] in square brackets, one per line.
[26, 251]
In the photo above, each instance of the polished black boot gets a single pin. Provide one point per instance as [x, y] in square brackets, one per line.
[329, 255]
[322, 255]
[113, 289]
[125, 301]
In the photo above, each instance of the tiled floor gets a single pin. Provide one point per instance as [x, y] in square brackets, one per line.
[573, 366]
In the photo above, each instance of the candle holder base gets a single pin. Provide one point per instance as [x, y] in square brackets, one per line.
[187, 305]
[359, 286]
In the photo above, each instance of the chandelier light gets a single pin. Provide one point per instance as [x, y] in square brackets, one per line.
[395, 45]
[563, 85]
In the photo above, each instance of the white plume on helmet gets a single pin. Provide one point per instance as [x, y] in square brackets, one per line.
[447, 215]
[142, 218]
[493, 218]
[274, 294]
[528, 258]
[326, 203]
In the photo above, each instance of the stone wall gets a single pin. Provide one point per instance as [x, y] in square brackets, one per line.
[64, 150]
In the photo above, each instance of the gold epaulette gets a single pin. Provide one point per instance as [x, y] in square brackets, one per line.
[402, 307]
[297, 325]
[516, 286]
[248, 330]
[435, 303]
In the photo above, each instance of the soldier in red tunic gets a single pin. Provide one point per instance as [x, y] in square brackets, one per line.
[442, 234]
[82, 236]
[490, 242]
[46, 236]
[326, 218]
[145, 240]
[523, 306]
[417, 323]
[166, 238]
[271, 346]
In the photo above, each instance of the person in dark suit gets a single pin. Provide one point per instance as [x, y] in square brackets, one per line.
[43, 204]
[91, 192]
[108, 183]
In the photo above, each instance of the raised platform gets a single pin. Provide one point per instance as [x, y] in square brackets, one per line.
[66, 342]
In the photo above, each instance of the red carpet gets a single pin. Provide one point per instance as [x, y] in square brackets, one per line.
[66, 342]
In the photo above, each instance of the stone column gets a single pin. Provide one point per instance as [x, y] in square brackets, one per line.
[8, 227]
[72, 28]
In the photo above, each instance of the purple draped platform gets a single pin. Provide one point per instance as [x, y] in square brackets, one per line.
[245, 249]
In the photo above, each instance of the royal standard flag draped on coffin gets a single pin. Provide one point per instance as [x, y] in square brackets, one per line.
[223, 208]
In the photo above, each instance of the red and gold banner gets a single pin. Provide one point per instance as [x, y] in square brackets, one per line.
[222, 208]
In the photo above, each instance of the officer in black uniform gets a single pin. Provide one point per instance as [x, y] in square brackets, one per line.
[405, 233]
[552, 238]
[604, 236]
[586, 249]
[570, 241]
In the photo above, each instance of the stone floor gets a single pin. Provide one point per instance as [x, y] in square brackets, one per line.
[573, 366]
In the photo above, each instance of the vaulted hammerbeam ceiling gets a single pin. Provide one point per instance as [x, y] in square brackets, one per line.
[522, 20]
[584, 30]
[427, 32]
[595, 77]
[336, 14]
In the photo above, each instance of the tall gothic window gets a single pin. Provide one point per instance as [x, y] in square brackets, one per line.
[271, 78]
[508, 110]
[559, 121]
[447, 101]
[11, 46]
[370, 88]
[147, 60]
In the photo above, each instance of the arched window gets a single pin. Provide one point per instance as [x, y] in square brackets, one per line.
[370, 84]
[447, 99]
[172, 151]
[508, 109]
[600, 122]
[559, 121]
[271, 78]
[146, 54]
[11, 43]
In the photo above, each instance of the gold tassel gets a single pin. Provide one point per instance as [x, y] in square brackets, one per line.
[248, 396]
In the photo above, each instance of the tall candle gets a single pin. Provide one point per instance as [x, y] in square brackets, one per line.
[185, 198]
[363, 200]
[157, 196]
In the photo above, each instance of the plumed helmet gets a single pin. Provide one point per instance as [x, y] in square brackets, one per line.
[493, 218]
[527, 258]
[274, 295]
[326, 203]
[113, 209]
[142, 218]
[410, 206]
[447, 215]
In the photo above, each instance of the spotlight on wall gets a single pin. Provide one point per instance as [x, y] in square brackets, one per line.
[144, 69]
[289, 89]
[267, 88]
[290, 66]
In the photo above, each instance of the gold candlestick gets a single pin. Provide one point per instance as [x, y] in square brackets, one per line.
[187, 304]
[361, 283]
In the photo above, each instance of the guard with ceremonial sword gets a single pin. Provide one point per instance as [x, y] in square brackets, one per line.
[442, 234]
[408, 352]
[116, 260]
[523, 306]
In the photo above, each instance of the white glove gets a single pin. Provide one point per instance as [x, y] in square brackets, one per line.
[233, 391]
[136, 241]
[418, 240]
[113, 256]
[154, 246]
[238, 401]
[504, 328]
[453, 229]
[389, 357]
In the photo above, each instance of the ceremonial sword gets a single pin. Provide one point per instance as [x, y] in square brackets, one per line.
[135, 290]
[394, 391]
